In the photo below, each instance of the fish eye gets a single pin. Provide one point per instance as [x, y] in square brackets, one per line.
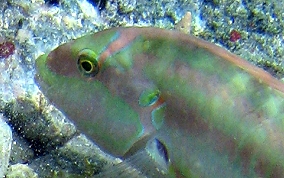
[88, 63]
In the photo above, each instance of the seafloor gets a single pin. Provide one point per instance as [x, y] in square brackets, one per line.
[36, 140]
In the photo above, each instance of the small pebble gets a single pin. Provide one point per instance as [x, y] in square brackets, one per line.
[7, 48]
[235, 36]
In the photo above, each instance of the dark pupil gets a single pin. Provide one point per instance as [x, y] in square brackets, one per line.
[162, 150]
[86, 66]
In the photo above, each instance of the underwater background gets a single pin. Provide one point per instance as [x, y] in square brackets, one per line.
[36, 140]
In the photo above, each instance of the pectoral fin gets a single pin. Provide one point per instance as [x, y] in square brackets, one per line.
[152, 161]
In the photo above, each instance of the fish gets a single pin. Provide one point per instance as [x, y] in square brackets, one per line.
[167, 103]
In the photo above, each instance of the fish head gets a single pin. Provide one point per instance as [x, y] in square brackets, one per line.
[95, 82]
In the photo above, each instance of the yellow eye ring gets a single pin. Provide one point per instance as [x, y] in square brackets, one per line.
[88, 63]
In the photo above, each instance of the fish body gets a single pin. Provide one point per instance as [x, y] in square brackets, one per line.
[186, 107]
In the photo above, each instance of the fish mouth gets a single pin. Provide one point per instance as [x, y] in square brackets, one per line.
[39, 67]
